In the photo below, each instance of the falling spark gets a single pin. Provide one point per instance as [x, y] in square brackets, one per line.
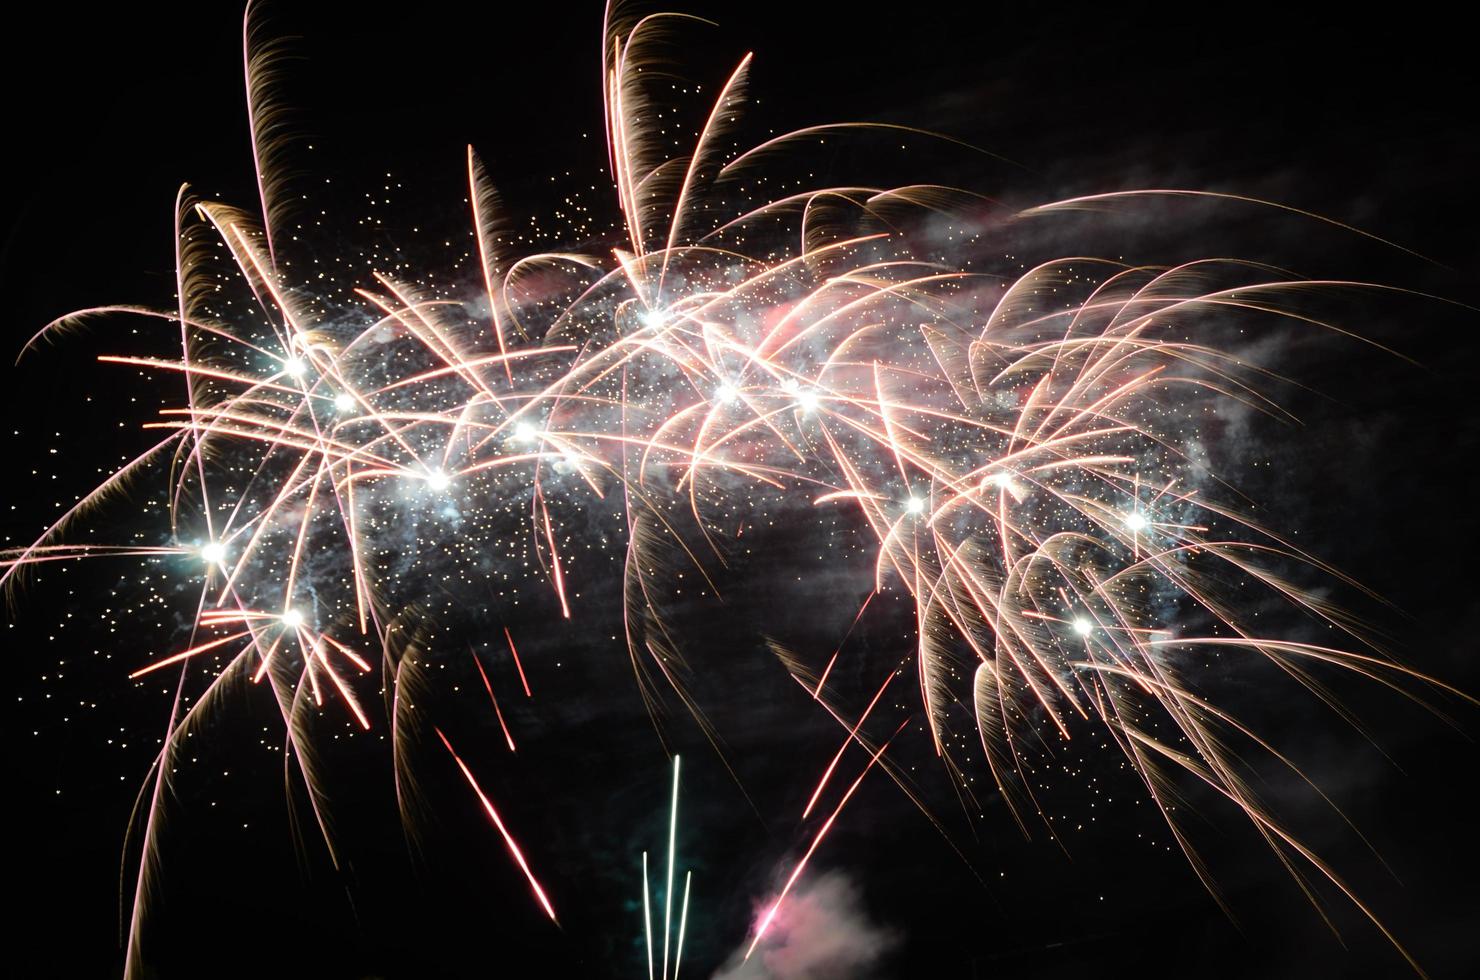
[497, 712]
[498, 822]
[514, 652]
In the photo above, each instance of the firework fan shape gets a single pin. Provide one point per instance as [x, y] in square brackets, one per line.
[1021, 450]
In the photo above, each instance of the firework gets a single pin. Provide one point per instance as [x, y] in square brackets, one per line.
[683, 914]
[1020, 449]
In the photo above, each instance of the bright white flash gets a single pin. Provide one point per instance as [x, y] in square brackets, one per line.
[915, 505]
[1083, 626]
[344, 402]
[292, 619]
[296, 366]
[1135, 521]
[438, 480]
[654, 318]
[213, 553]
[807, 401]
[525, 432]
[727, 393]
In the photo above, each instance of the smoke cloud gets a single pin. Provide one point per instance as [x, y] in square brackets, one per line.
[823, 931]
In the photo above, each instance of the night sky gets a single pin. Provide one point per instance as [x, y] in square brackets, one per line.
[1371, 122]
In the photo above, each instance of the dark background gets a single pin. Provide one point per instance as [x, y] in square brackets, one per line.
[1370, 121]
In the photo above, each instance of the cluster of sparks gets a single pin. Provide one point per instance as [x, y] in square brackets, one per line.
[1020, 449]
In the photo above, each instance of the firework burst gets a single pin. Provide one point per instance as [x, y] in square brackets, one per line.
[1021, 449]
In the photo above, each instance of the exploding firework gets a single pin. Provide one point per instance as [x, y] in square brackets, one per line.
[1020, 447]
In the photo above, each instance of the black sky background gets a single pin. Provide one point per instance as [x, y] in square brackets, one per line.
[1371, 121]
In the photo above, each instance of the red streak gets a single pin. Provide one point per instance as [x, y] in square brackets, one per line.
[518, 855]
[852, 733]
[186, 654]
[555, 564]
[489, 687]
[520, 667]
[817, 694]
